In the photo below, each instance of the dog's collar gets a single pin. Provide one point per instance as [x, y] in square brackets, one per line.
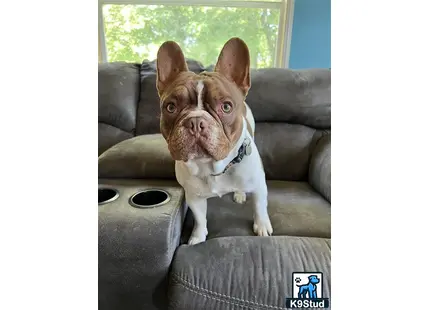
[244, 150]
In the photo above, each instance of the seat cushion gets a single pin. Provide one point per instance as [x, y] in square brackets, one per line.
[295, 209]
[245, 272]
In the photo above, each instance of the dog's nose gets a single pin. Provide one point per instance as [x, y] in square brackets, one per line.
[196, 124]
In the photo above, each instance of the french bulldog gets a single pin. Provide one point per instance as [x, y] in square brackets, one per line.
[209, 130]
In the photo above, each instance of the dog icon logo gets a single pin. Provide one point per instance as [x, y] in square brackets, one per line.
[307, 291]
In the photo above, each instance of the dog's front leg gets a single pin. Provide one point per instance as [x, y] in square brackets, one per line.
[262, 224]
[199, 207]
[313, 292]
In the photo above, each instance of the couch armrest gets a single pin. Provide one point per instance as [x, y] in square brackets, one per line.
[136, 245]
[320, 167]
[141, 157]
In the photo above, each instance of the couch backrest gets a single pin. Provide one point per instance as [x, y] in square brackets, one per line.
[119, 87]
[292, 109]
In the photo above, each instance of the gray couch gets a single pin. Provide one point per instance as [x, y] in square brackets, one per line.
[144, 261]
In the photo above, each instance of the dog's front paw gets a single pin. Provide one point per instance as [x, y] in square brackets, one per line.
[263, 227]
[239, 197]
[198, 236]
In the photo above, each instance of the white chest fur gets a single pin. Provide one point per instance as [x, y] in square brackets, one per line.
[196, 176]
[206, 186]
[211, 186]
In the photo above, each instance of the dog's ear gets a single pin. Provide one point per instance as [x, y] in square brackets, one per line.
[170, 63]
[234, 62]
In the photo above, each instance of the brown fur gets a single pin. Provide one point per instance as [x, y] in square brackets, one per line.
[178, 86]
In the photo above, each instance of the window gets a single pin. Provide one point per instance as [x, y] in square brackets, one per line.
[133, 30]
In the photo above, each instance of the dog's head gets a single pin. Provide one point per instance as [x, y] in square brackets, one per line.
[313, 279]
[202, 114]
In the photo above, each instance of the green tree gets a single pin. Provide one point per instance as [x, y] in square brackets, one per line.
[134, 32]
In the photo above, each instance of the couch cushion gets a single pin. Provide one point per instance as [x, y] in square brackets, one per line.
[118, 94]
[295, 209]
[320, 167]
[292, 96]
[141, 157]
[244, 272]
[286, 149]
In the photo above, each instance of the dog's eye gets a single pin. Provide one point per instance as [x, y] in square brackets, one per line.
[226, 107]
[171, 108]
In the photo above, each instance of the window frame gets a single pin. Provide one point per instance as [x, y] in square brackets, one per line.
[283, 41]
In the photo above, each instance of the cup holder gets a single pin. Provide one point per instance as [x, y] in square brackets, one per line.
[107, 195]
[149, 198]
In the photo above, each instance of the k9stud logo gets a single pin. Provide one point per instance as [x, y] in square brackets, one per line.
[307, 291]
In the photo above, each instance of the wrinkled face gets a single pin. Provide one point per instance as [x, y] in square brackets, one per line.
[202, 114]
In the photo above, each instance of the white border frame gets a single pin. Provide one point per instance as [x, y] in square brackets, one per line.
[102, 41]
[285, 33]
[283, 42]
